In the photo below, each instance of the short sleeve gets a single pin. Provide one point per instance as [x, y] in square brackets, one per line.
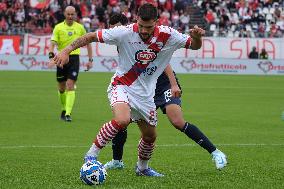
[179, 40]
[112, 36]
[55, 34]
[83, 30]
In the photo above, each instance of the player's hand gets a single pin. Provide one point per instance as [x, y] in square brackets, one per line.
[89, 66]
[51, 64]
[176, 92]
[61, 59]
[196, 32]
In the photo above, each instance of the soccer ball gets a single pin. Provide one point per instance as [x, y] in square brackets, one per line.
[93, 173]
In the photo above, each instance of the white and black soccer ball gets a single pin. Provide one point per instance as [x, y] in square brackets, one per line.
[93, 173]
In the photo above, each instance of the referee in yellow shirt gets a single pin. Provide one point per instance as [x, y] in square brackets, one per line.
[65, 33]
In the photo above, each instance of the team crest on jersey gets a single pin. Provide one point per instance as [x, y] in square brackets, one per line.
[145, 56]
[74, 74]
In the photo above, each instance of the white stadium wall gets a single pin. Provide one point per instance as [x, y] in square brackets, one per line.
[238, 48]
[217, 56]
[180, 65]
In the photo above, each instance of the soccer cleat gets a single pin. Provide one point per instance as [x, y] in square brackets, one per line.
[147, 172]
[62, 116]
[68, 118]
[219, 158]
[114, 164]
[89, 158]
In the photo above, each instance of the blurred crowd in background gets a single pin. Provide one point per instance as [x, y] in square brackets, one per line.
[227, 18]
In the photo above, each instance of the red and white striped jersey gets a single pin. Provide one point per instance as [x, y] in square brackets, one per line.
[141, 63]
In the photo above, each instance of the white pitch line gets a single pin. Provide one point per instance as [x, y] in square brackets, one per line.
[158, 145]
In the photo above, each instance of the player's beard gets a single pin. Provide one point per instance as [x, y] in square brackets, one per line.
[144, 36]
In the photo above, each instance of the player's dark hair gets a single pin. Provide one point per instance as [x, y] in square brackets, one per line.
[148, 12]
[118, 17]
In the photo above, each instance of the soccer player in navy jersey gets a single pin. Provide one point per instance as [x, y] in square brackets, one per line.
[167, 98]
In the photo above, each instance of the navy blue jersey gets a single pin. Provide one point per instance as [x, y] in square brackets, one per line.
[163, 84]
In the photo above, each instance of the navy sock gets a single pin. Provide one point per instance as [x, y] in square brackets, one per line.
[195, 134]
[118, 144]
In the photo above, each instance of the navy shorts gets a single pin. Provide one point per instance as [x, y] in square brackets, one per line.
[165, 99]
[70, 70]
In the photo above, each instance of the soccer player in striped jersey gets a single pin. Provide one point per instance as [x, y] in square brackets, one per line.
[167, 98]
[145, 50]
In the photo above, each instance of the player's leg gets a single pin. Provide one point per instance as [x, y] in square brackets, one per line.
[121, 119]
[70, 98]
[72, 75]
[117, 151]
[145, 150]
[61, 79]
[175, 116]
[118, 141]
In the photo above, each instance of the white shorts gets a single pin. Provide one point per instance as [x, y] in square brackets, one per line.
[140, 110]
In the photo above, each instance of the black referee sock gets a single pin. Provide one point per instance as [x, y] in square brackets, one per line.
[118, 144]
[195, 134]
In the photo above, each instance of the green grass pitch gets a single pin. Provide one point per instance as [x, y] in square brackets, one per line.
[240, 114]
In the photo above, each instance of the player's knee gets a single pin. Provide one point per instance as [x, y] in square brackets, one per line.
[61, 87]
[123, 121]
[178, 123]
[70, 85]
[150, 138]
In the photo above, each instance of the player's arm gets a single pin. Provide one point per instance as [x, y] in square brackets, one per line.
[51, 54]
[81, 41]
[51, 49]
[196, 37]
[63, 57]
[90, 55]
[176, 92]
[53, 42]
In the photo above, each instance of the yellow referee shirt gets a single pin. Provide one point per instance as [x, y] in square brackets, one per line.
[64, 35]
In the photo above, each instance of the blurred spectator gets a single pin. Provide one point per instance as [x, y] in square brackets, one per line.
[263, 54]
[3, 25]
[260, 30]
[253, 54]
[86, 21]
[210, 17]
[175, 20]
[184, 20]
[241, 18]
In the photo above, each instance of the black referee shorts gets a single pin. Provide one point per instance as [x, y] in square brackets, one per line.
[70, 70]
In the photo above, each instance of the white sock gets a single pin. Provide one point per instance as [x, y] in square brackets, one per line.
[215, 151]
[142, 164]
[93, 151]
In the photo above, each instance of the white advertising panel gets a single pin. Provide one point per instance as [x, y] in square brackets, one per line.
[180, 65]
[233, 48]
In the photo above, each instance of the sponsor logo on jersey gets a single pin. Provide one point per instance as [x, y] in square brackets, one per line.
[145, 56]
